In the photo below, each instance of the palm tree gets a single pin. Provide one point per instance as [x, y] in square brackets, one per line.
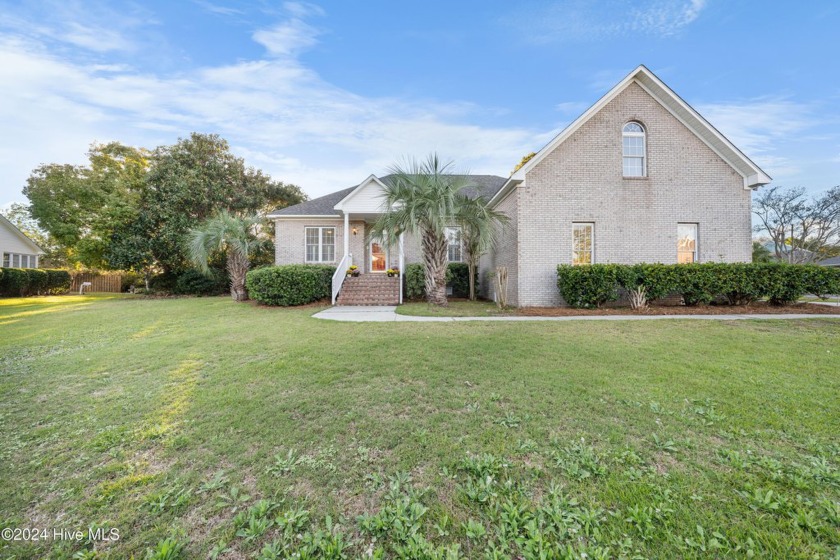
[422, 199]
[480, 228]
[238, 236]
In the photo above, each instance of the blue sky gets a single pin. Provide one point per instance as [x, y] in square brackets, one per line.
[323, 94]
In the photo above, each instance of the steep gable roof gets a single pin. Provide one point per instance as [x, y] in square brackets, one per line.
[753, 175]
[482, 185]
[23, 237]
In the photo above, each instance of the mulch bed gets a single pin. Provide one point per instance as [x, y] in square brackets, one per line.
[755, 308]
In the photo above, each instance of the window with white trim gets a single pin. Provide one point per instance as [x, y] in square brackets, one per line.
[454, 251]
[18, 260]
[583, 243]
[320, 244]
[686, 243]
[633, 150]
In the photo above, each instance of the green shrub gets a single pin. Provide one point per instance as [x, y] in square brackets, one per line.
[196, 283]
[14, 282]
[696, 283]
[415, 282]
[659, 280]
[457, 277]
[294, 284]
[164, 282]
[738, 283]
[38, 281]
[130, 280]
[783, 284]
[822, 281]
[59, 281]
[588, 285]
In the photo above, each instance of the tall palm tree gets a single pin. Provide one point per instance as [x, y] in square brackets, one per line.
[480, 229]
[422, 199]
[237, 236]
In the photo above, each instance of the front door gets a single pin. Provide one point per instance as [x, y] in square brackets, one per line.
[378, 257]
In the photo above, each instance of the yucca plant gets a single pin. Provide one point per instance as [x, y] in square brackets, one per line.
[239, 237]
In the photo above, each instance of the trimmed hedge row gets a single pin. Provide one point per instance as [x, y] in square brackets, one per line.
[293, 284]
[457, 276]
[737, 283]
[18, 282]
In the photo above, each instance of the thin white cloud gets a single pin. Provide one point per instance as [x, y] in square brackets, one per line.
[763, 128]
[218, 9]
[580, 20]
[275, 111]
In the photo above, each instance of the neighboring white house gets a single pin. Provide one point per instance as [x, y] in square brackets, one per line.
[639, 177]
[16, 249]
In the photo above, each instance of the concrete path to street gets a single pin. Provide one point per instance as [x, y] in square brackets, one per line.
[387, 313]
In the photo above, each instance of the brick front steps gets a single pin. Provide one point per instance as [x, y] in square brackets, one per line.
[370, 289]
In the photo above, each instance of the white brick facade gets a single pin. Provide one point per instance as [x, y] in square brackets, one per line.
[693, 175]
[635, 219]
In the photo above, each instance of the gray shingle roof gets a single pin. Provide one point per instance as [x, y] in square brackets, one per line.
[833, 261]
[485, 185]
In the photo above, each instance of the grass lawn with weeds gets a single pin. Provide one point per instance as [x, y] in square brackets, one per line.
[456, 308]
[199, 428]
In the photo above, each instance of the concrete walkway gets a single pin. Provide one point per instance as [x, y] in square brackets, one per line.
[386, 313]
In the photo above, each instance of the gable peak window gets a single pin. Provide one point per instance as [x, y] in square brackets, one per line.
[633, 149]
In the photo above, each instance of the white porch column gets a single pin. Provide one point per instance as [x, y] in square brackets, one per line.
[347, 234]
[402, 266]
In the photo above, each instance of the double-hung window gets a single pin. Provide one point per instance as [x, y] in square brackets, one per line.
[583, 243]
[454, 251]
[320, 244]
[633, 150]
[686, 243]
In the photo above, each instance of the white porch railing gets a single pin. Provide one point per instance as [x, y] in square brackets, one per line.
[402, 267]
[340, 274]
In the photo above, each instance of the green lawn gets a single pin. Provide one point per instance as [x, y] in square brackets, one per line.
[456, 308]
[248, 432]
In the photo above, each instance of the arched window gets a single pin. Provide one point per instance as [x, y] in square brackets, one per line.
[633, 149]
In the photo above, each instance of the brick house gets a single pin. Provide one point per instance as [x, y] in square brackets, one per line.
[639, 177]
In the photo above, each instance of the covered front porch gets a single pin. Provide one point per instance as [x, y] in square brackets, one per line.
[371, 255]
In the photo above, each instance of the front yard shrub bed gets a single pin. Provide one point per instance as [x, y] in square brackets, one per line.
[293, 284]
[457, 277]
[735, 283]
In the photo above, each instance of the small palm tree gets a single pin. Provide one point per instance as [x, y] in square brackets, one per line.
[422, 199]
[237, 236]
[480, 229]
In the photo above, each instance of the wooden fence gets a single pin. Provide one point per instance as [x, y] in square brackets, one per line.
[99, 282]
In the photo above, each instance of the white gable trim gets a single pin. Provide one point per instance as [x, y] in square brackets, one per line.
[306, 216]
[13, 228]
[753, 175]
[343, 204]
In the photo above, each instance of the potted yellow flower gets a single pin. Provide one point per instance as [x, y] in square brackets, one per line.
[353, 270]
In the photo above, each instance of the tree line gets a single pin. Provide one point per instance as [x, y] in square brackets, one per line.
[131, 209]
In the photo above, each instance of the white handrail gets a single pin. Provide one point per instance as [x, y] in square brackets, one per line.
[402, 267]
[340, 274]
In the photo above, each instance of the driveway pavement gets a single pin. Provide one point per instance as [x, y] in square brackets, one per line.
[386, 313]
